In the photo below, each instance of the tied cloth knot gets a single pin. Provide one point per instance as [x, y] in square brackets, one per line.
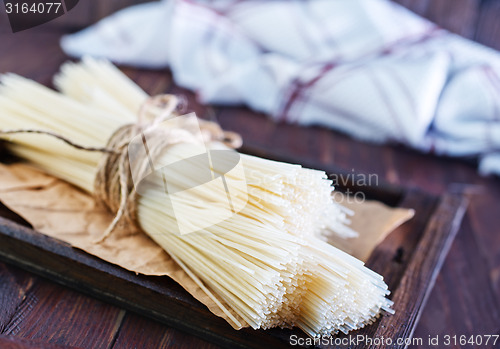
[113, 185]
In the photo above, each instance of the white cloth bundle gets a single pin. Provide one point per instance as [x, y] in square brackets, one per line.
[369, 68]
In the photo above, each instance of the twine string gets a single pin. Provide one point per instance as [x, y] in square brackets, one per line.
[113, 184]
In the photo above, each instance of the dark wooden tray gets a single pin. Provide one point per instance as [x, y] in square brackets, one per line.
[409, 259]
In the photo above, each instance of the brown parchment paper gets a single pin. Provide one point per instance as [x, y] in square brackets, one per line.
[60, 210]
[373, 221]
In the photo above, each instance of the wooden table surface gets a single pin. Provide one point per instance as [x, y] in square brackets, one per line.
[35, 312]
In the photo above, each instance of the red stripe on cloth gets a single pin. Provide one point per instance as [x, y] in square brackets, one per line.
[298, 88]
[414, 39]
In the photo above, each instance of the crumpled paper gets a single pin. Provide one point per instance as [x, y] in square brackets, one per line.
[373, 221]
[62, 211]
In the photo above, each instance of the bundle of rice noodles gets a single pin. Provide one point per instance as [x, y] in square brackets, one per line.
[265, 265]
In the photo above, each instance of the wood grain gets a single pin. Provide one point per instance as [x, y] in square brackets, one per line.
[457, 290]
[12, 342]
[14, 288]
[138, 331]
[74, 320]
[423, 267]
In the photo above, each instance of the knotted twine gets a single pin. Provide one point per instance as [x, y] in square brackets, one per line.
[113, 185]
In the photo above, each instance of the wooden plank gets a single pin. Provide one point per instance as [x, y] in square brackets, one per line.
[484, 223]
[416, 284]
[462, 303]
[64, 317]
[488, 25]
[141, 332]
[11, 342]
[15, 283]
[14, 287]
